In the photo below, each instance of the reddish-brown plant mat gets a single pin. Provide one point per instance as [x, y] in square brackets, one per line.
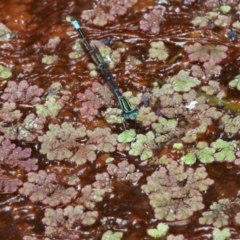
[75, 164]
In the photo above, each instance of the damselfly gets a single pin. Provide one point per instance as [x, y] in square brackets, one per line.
[128, 111]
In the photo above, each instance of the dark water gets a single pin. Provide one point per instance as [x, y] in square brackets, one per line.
[126, 209]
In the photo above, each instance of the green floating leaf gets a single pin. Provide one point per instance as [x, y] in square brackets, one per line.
[160, 231]
[49, 59]
[189, 159]
[158, 50]
[225, 8]
[221, 234]
[110, 235]
[127, 136]
[182, 82]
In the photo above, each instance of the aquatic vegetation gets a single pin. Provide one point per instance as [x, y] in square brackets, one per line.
[152, 20]
[124, 171]
[143, 146]
[44, 187]
[93, 99]
[22, 92]
[53, 43]
[235, 83]
[146, 116]
[173, 237]
[72, 166]
[102, 139]
[164, 127]
[59, 141]
[110, 235]
[9, 112]
[94, 193]
[14, 156]
[221, 234]
[61, 221]
[8, 184]
[182, 82]
[158, 50]
[127, 136]
[84, 153]
[106, 11]
[158, 232]
[176, 193]
[203, 53]
[50, 59]
[4, 71]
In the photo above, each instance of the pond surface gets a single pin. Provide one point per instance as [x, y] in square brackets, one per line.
[71, 167]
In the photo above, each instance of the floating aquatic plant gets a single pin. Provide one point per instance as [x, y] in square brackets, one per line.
[217, 214]
[14, 156]
[106, 11]
[173, 237]
[28, 130]
[4, 71]
[50, 59]
[203, 152]
[152, 20]
[60, 141]
[102, 139]
[124, 171]
[110, 235]
[22, 92]
[62, 221]
[231, 125]
[143, 146]
[204, 53]
[84, 153]
[43, 187]
[53, 42]
[8, 184]
[235, 83]
[176, 193]
[182, 82]
[158, 232]
[158, 50]
[164, 127]
[221, 234]
[9, 112]
[93, 99]
[91, 194]
[127, 136]
[225, 150]
[146, 116]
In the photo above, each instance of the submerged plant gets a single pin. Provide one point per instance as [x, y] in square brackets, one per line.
[176, 193]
